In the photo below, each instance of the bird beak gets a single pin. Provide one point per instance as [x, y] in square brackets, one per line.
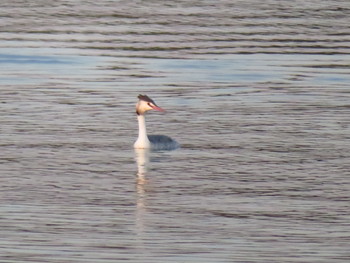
[155, 107]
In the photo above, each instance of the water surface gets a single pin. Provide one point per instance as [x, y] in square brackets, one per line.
[256, 93]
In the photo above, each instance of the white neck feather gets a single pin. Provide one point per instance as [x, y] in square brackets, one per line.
[142, 141]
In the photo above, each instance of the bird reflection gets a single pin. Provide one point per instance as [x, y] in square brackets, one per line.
[142, 160]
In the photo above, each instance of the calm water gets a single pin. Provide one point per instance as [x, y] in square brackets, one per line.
[257, 93]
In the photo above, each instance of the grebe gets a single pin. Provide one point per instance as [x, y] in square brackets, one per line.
[155, 142]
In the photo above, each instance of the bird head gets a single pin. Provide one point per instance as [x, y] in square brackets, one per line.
[145, 104]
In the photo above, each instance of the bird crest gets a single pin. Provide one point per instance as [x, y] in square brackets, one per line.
[145, 98]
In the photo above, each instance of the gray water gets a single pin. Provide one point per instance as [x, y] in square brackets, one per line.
[257, 93]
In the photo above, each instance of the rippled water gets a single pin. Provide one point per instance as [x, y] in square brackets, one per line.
[257, 93]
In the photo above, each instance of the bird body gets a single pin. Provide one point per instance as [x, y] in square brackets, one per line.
[144, 141]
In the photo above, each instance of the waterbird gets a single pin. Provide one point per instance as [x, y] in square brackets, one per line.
[154, 142]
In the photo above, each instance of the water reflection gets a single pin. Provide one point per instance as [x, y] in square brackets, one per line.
[142, 161]
[264, 99]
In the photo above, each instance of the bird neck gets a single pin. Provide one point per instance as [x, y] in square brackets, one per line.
[142, 125]
[142, 140]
